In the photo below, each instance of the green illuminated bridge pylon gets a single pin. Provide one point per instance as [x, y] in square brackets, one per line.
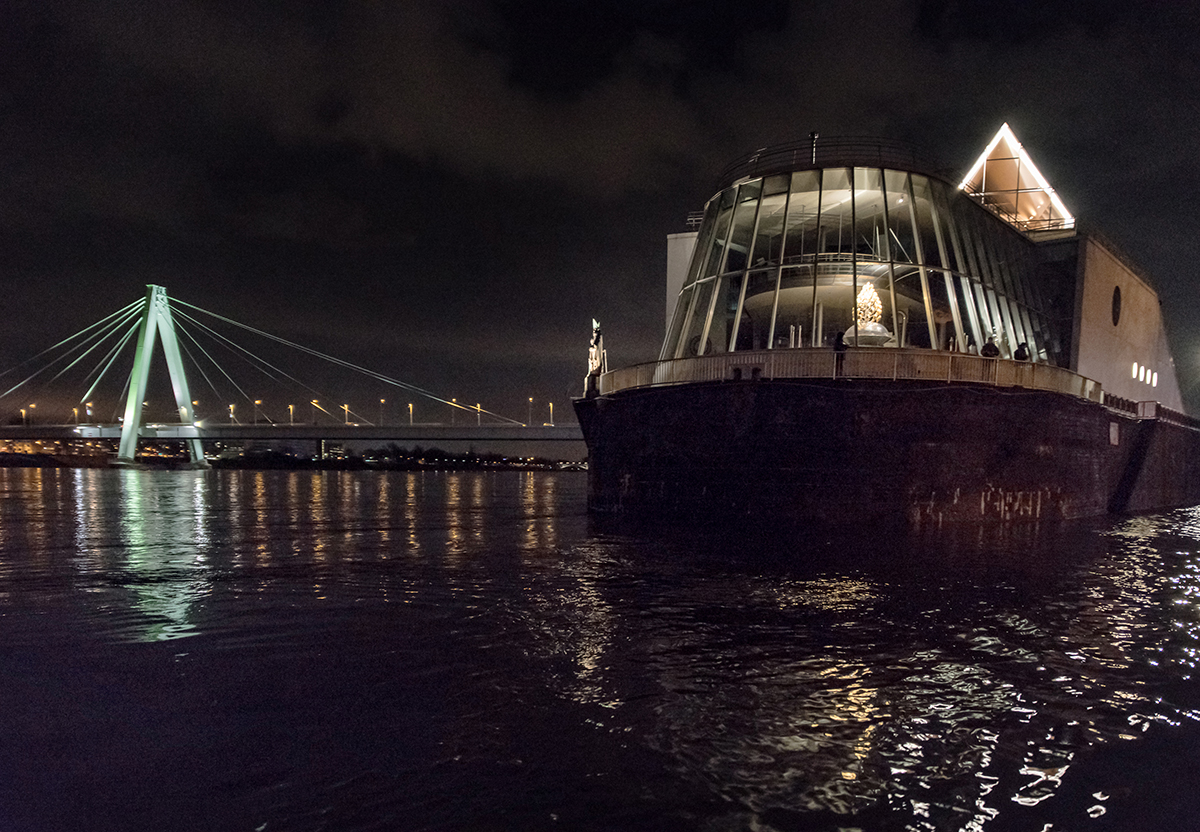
[157, 316]
[156, 320]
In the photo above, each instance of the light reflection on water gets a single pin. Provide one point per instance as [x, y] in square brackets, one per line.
[355, 649]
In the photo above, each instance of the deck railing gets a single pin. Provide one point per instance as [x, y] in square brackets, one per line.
[872, 363]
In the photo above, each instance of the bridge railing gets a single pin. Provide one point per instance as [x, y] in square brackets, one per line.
[871, 363]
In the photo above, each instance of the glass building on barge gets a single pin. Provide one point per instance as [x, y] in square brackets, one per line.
[807, 241]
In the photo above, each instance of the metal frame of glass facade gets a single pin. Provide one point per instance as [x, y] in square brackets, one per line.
[887, 257]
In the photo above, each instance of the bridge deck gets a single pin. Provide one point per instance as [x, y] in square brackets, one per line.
[419, 433]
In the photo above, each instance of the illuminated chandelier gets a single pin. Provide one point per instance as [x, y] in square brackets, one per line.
[868, 331]
[870, 308]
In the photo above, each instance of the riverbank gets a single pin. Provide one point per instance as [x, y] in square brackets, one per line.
[272, 460]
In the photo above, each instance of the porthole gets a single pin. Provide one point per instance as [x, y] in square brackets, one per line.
[1116, 305]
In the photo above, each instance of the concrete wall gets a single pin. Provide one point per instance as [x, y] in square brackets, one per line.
[1108, 351]
[679, 255]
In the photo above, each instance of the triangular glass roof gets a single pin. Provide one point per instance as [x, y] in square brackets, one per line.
[1005, 180]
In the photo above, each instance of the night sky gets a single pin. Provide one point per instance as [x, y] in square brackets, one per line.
[449, 192]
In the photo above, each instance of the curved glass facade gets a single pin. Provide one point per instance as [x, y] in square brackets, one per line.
[887, 258]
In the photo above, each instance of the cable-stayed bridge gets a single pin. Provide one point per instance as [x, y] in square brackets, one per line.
[88, 368]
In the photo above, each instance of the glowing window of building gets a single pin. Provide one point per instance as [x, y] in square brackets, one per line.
[1154, 383]
[1005, 180]
[1141, 373]
[1135, 369]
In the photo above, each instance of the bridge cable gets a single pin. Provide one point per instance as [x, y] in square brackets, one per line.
[199, 367]
[111, 357]
[258, 362]
[99, 339]
[95, 346]
[125, 309]
[233, 345]
[346, 364]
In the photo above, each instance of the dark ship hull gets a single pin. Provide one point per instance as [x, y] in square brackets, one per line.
[908, 453]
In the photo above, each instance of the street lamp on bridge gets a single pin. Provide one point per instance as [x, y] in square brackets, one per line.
[410, 414]
[257, 402]
[346, 417]
[291, 411]
[381, 402]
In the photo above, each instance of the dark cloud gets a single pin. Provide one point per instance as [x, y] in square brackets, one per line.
[453, 190]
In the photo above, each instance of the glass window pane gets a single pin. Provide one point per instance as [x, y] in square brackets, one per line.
[754, 328]
[777, 184]
[836, 229]
[946, 222]
[1000, 326]
[869, 217]
[1009, 262]
[803, 208]
[794, 325]
[911, 320]
[970, 318]
[703, 241]
[690, 343]
[743, 226]
[671, 344]
[720, 329]
[768, 237]
[720, 235]
[923, 210]
[834, 310]
[966, 242]
[943, 314]
[899, 203]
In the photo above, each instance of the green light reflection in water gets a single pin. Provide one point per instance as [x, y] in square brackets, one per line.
[164, 541]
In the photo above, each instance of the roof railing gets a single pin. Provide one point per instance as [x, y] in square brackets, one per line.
[819, 152]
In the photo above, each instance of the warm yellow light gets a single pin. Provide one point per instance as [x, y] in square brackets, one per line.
[1015, 156]
[870, 308]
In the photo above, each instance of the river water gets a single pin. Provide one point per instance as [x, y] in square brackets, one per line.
[239, 650]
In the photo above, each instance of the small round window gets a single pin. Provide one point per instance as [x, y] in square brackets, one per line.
[1116, 305]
